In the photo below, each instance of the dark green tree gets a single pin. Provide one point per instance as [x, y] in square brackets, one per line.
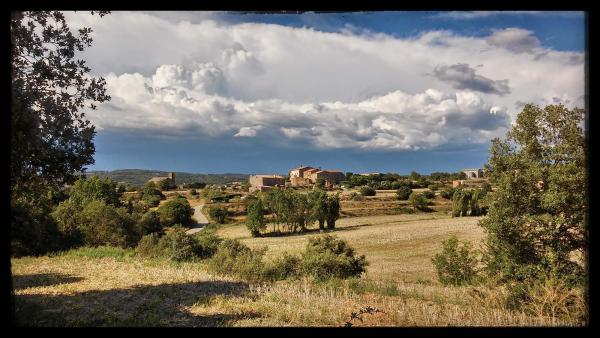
[86, 190]
[333, 210]
[538, 216]
[255, 221]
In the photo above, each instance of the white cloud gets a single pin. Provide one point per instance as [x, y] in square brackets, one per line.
[333, 89]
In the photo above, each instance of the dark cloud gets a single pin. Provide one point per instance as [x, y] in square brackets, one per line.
[461, 76]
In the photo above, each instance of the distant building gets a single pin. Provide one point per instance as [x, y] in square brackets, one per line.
[305, 176]
[370, 174]
[473, 173]
[170, 177]
[265, 182]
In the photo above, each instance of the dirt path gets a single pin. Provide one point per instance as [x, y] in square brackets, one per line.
[200, 219]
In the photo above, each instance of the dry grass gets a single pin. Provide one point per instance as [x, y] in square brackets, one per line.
[70, 290]
[396, 246]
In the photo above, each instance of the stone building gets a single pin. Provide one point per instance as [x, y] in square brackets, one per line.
[265, 182]
[473, 173]
[305, 176]
[170, 177]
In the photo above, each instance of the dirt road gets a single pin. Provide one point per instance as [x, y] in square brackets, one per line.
[200, 219]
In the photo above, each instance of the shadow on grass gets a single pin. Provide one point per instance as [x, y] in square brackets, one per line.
[42, 279]
[152, 305]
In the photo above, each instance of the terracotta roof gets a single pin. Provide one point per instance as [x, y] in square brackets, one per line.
[268, 176]
[303, 167]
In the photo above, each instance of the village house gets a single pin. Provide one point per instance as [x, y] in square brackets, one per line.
[473, 173]
[474, 177]
[305, 176]
[265, 182]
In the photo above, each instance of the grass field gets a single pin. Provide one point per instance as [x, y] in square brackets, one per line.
[112, 287]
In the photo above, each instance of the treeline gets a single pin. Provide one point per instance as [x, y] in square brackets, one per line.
[91, 213]
[138, 177]
[292, 211]
[391, 181]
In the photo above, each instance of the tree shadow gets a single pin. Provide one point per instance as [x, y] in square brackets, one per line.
[146, 305]
[42, 279]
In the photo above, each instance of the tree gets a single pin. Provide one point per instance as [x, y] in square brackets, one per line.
[149, 223]
[456, 264]
[320, 183]
[175, 211]
[538, 216]
[333, 210]
[414, 176]
[164, 184]
[94, 188]
[218, 215]
[50, 138]
[255, 221]
[318, 202]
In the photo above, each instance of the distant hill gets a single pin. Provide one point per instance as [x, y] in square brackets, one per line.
[138, 177]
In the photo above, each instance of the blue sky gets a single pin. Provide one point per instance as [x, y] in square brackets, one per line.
[361, 92]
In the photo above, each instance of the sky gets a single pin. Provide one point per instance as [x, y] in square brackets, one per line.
[227, 92]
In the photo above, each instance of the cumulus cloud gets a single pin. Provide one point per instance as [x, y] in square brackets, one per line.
[461, 76]
[515, 39]
[345, 89]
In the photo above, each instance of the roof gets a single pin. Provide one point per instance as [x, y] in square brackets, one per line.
[268, 176]
[330, 171]
[471, 169]
[303, 167]
[312, 170]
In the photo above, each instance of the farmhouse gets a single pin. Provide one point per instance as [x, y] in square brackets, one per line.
[265, 182]
[170, 177]
[473, 173]
[304, 176]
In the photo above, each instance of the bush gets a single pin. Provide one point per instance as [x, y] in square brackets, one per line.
[218, 215]
[418, 201]
[367, 191]
[208, 243]
[177, 245]
[428, 194]
[284, 267]
[102, 224]
[326, 257]
[66, 216]
[151, 200]
[403, 193]
[193, 192]
[456, 264]
[148, 246]
[149, 223]
[236, 259]
[447, 192]
[175, 211]
[32, 230]
[435, 186]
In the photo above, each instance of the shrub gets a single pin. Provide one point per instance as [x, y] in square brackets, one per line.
[284, 267]
[193, 192]
[151, 200]
[435, 186]
[367, 191]
[236, 259]
[418, 201]
[255, 221]
[356, 197]
[208, 243]
[32, 230]
[149, 223]
[332, 211]
[102, 224]
[403, 193]
[447, 192]
[218, 215]
[326, 257]
[456, 264]
[177, 245]
[175, 211]
[428, 194]
[66, 216]
[148, 246]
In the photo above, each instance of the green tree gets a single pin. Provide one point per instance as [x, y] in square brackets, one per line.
[318, 202]
[255, 221]
[414, 176]
[103, 224]
[175, 211]
[218, 215]
[538, 216]
[94, 188]
[150, 223]
[320, 183]
[50, 137]
[333, 210]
